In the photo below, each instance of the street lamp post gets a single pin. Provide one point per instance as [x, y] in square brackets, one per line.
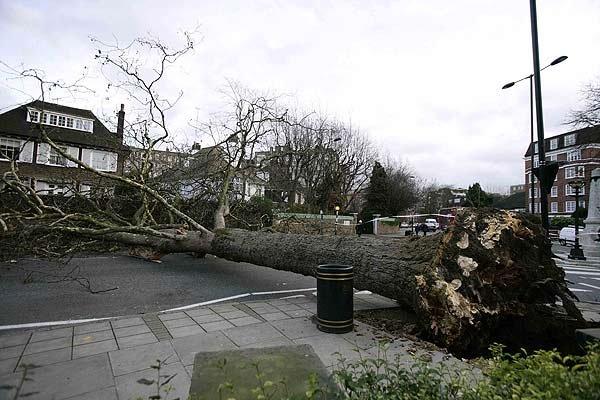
[576, 251]
[337, 210]
[511, 84]
[321, 226]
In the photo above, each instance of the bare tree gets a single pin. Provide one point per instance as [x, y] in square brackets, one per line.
[589, 113]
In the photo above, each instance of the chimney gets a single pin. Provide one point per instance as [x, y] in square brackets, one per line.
[121, 121]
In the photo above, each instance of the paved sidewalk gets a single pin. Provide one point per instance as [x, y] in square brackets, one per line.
[104, 360]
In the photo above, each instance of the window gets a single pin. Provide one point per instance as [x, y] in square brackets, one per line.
[569, 191]
[537, 208]
[554, 191]
[554, 207]
[553, 157]
[536, 162]
[535, 193]
[575, 172]
[34, 116]
[553, 144]
[535, 148]
[569, 206]
[570, 140]
[100, 160]
[574, 155]
[581, 203]
[60, 120]
[9, 149]
[56, 158]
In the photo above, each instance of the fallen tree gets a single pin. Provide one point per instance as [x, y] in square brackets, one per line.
[489, 277]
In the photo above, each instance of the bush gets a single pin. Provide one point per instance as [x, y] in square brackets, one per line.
[541, 375]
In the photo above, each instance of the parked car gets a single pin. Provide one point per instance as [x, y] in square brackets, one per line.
[432, 224]
[566, 234]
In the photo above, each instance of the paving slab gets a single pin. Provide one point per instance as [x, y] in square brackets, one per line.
[11, 352]
[89, 328]
[223, 308]
[246, 335]
[47, 357]
[8, 366]
[124, 322]
[186, 331]
[131, 330]
[188, 346]
[216, 326]
[136, 340]
[233, 314]
[92, 337]
[299, 313]
[128, 386]
[170, 316]
[14, 339]
[274, 316]
[109, 393]
[288, 307]
[292, 364]
[68, 379]
[48, 345]
[282, 341]
[266, 309]
[175, 323]
[297, 328]
[212, 317]
[39, 336]
[196, 312]
[244, 321]
[328, 347]
[141, 357]
[94, 348]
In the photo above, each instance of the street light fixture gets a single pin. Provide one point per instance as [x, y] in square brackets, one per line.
[576, 251]
[337, 210]
[511, 84]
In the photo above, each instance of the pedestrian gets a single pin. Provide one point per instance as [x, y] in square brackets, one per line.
[359, 228]
[424, 228]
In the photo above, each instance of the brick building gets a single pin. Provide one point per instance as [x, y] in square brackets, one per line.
[79, 133]
[577, 153]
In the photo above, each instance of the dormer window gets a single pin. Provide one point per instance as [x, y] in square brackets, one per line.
[60, 120]
[570, 139]
[34, 116]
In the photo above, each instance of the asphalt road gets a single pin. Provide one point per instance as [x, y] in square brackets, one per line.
[142, 286]
[584, 276]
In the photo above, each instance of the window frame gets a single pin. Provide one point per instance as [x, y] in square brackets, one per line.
[17, 148]
[553, 144]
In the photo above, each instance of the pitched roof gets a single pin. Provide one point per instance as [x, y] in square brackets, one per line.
[14, 122]
[587, 135]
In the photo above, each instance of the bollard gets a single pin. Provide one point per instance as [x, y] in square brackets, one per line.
[335, 301]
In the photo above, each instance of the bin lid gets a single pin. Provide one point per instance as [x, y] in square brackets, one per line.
[335, 268]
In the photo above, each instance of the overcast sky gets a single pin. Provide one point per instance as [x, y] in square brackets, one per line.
[422, 78]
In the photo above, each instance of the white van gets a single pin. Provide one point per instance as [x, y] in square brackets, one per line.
[566, 235]
[432, 224]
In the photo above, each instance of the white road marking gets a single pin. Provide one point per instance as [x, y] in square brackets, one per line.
[579, 290]
[239, 296]
[598, 279]
[588, 285]
[52, 323]
[582, 273]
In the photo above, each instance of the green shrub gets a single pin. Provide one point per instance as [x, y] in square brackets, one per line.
[561, 222]
[539, 376]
